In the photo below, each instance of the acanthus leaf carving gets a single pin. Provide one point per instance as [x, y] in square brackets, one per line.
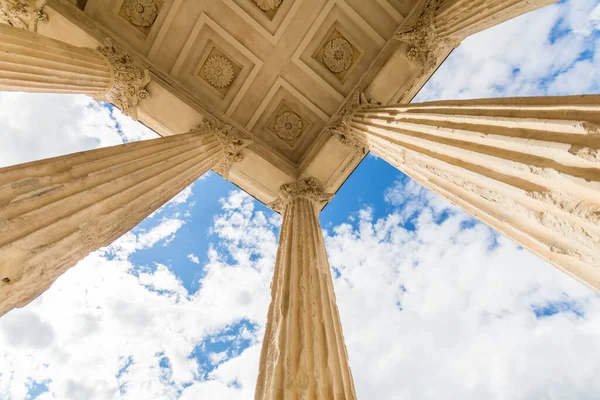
[426, 45]
[341, 126]
[129, 81]
[231, 142]
[307, 188]
[22, 14]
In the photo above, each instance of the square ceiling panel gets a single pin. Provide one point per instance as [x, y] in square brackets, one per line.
[141, 14]
[269, 17]
[288, 122]
[338, 49]
[337, 53]
[216, 66]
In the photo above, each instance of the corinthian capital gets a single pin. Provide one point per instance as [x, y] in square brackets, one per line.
[425, 44]
[129, 81]
[341, 126]
[22, 14]
[306, 188]
[231, 141]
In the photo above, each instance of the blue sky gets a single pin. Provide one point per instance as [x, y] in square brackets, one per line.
[434, 305]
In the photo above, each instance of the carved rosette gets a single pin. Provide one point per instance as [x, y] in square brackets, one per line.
[268, 5]
[307, 188]
[22, 14]
[338, 55]
[129, 81]
[426, 45]
[218, 71]
[288, 126]
[141, 12]
[231, 142]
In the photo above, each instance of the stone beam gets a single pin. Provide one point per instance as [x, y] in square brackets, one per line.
[528, 167]
[33, 63]
[54, 212]
[303, 354]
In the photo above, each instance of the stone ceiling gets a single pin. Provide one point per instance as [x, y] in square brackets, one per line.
[276, 70]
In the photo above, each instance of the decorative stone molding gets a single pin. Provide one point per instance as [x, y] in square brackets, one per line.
[129, 82]
[288, 126]
[307, 188]
[21, 14]
[218, 71]
[338, 55]
[425, 44]
[231, 142]
[268, 5]
[341, 125]
[141, 12]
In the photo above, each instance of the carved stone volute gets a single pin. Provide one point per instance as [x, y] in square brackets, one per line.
[341, 127]
[426, 46]
[307, 188]
[23, 14]
[129, 81]
[232, 143]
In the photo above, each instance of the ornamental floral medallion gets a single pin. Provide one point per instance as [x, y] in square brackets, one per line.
[141, 12]
[267, 5]
[288, 126]
[218, 71]
[338, 55]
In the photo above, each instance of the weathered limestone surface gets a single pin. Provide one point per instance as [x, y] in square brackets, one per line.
[528, 167]
[463, 18]
[54, 212]
[33, 63]
[443, 24]
[303, 354]
[22, 14]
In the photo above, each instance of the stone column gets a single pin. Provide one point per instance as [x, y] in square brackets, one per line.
[54, 212]
[443, 24]
[33, 63]
[463, 18]
[528, 167]
[303, 354]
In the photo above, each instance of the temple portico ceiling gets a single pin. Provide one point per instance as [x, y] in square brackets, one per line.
[277, 71]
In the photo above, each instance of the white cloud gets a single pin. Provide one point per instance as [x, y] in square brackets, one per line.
[518, 58]
[436, 311]
[193, 258]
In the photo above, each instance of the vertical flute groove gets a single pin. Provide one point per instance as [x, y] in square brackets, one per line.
[311, 361]
[54, 212]
[528, 167]
[31, 62]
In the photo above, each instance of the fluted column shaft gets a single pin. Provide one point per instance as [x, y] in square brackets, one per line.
[34, 63]
[303, 354]
[54, 212]
[463, 18]
[528, 167]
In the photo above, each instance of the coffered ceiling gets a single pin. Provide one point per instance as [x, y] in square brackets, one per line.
[280, 68]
